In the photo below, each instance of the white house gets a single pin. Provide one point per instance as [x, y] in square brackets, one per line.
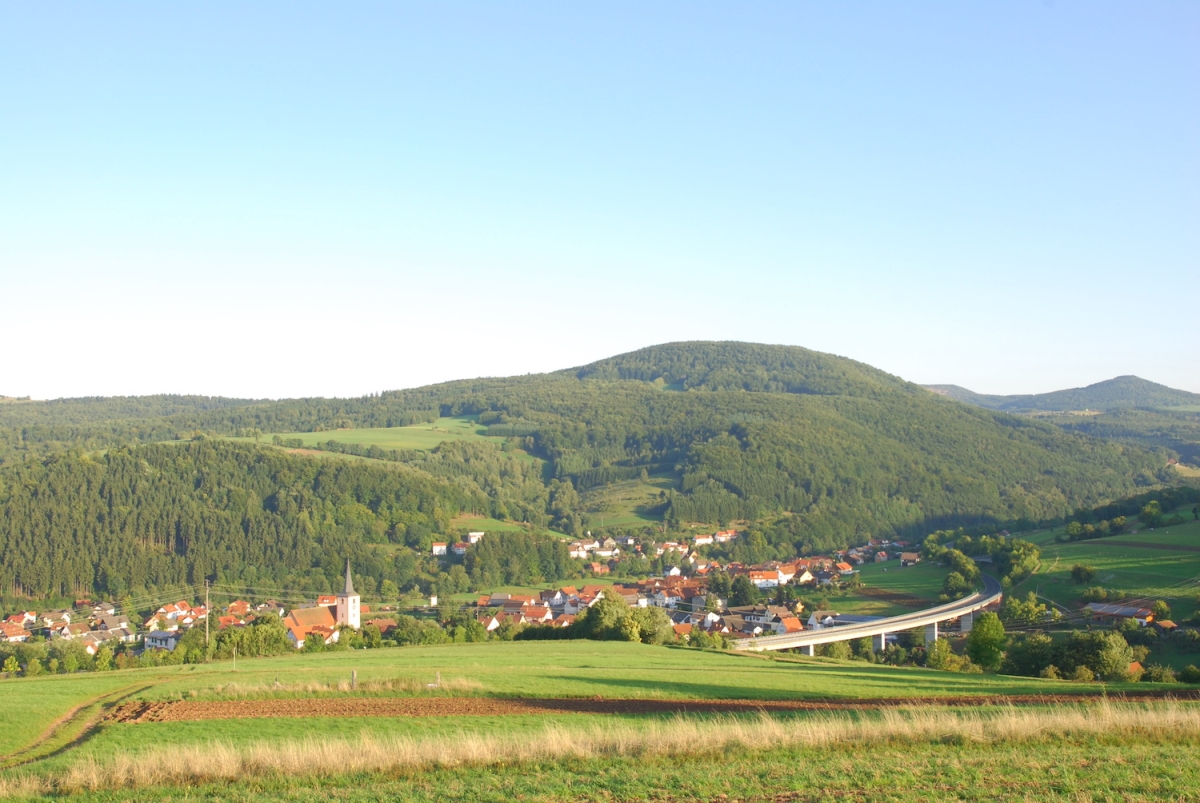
[163, 639]
[439, 548]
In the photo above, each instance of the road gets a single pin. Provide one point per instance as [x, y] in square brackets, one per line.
[991, 593]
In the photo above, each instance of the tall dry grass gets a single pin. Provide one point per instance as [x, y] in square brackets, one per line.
[681, 735]
[416, 687]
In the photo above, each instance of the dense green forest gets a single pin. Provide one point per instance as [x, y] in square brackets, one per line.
[163, 516]
[819, 450]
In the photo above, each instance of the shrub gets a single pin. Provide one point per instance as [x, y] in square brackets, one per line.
[1082, 674]
[1190, 674]
[1050, 672]
[1156, 673]
[1081, 574]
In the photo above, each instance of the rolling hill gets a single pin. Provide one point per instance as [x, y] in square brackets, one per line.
[819, 451]
[1112, 394]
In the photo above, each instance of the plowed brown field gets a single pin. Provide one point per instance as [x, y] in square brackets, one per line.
[182, 710]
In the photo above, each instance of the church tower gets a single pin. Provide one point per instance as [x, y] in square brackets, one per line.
[347, 603]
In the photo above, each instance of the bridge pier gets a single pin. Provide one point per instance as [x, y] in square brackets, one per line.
[879, 642]
[931, 633]
[965, 622]
[808, 649]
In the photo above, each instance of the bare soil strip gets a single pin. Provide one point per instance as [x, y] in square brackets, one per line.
[185, 710]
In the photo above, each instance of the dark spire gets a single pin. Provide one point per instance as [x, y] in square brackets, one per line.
[349, 589]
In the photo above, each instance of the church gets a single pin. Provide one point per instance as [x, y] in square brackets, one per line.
[323, 619]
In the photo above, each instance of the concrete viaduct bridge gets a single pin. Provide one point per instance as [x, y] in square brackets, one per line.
[963, 610]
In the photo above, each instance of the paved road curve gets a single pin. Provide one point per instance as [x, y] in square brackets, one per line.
[893, 624]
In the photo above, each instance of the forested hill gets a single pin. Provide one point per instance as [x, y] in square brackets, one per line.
[748, 367]
[822, 451]
[1111, 394]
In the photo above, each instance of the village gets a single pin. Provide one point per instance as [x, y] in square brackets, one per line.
[698, 595]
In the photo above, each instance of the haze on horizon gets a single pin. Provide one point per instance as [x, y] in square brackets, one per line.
[300, 200]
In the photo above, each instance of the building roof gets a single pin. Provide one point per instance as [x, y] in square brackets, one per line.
[348, 591]
[308, 618]
[1119, 610]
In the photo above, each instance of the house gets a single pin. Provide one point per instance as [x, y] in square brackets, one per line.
[724, 536]
[820, 619]
[51, 618]
[682, 630]
[666, 598]
[439, 548]
[765, 579]
[1166, 626]
[1116, 613]
[112, 622]
[577, 550]
[23, 618]
[93, 641]
[909, 558]
[163, 640]
[803, 577]
[160, 622]
[384, 625]
[12, 632]
[174, 610]
[702, 540]
[881, 556]
[844, 568]
[788, 624]
[490, 621]
[70, 631]
[238, 608]
[103, 609]
[563, 620]
[474, 537]
[460, 549]
[597, 568]
[536, 614]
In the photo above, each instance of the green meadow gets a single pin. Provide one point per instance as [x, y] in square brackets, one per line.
[630, 503]
[417, 436]
[578, 669]
[1163, 563]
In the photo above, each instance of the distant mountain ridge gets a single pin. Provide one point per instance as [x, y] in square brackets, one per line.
[1121, 392]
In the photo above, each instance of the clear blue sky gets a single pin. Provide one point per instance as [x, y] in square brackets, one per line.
[281, 199]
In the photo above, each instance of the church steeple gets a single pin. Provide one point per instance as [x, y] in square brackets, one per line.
[348, 608]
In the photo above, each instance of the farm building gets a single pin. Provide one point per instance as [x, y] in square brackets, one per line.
[1116, 613]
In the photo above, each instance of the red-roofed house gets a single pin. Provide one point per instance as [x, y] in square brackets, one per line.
[13, 632]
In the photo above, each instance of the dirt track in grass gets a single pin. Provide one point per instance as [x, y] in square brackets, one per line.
[184, 710]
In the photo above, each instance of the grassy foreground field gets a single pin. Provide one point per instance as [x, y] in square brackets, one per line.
[550, 756]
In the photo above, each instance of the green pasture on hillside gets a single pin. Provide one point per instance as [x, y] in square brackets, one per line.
[417, 436]
[1153, 564]
[628, 503]
[481, 523]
